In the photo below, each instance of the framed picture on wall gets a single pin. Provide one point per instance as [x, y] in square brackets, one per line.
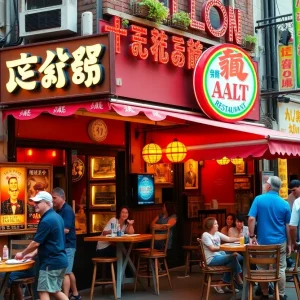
[240, 169]
[163, 173]
[102, 195]
[98, 220]
[102, 167]
[191, 175]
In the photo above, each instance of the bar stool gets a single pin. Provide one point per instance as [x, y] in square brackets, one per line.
[102, 281]
[27, 283]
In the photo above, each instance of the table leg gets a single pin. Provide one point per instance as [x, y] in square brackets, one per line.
[119, 269]
[4, 285]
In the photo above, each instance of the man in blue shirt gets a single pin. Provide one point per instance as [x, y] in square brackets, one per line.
[49, 244]
[273, 216]
[66, 212]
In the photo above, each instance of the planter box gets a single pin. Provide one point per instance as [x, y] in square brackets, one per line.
[139, 10]
[178, 25]
[249, 46]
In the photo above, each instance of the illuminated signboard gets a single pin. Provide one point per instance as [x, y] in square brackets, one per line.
[225, 83]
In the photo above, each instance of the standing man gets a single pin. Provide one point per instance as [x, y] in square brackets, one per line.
[66, 212]
[49, 244]
[273, 216]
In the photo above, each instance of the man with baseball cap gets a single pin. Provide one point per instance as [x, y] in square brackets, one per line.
[49, 244]
[294, 187]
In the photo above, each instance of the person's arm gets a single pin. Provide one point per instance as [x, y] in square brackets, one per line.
[107, 228]
[251, 226]
[172, 221]
[230, 232]
[31, 255]
[294, 222]
[30, 248]
[129, 228]
[206, 240]
[228, 239]
[154, 221]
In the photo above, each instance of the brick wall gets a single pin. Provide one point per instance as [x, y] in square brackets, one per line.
[87, 5]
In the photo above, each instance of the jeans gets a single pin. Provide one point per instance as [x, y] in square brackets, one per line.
[228, 260]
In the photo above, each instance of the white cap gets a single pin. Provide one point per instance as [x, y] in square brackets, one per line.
[42, 195]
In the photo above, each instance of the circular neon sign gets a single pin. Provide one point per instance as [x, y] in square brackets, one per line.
[225, 83]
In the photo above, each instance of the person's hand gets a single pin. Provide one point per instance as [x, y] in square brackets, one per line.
[130, 222]
[19, 256]
[235, 254]
[294, 247]
[253, 241]
[288, 250]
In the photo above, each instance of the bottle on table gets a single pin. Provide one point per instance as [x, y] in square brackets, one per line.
[119, 230]
[112, 226]
[5, 254]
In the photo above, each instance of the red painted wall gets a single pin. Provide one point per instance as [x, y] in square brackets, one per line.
[69, 129]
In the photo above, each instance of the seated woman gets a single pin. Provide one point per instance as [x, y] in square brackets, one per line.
[106, 249]
[211, 240]
[230, 222]
[167, 216]
[239, 229]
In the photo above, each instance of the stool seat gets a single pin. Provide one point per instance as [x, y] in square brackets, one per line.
[24, 280]
[103, 260]
[27, 282]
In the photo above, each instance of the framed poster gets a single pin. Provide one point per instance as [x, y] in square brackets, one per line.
[240, 169]
[191, 176]
[102, 167]
[264, 178]
[102, 195]
[163, 173]
[98, 220]
[195, 203]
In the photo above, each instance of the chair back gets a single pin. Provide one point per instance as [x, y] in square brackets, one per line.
[295, 269]
[263, 255]
[195, 232]
[202, 254]
[17, 246]
[160, 233]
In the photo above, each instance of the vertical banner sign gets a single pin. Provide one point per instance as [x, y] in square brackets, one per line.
[296, 15]
[282, 174]
[286, 66]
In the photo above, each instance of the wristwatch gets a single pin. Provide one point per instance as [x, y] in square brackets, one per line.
[252, 236]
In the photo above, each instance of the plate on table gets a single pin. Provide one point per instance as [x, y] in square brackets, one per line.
[16, 261]
[230, 244]
[133, 234]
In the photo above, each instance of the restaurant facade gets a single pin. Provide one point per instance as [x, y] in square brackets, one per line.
[79, 112]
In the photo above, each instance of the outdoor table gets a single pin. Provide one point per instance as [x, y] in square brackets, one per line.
[235, 247]
[123, 254]
[8, 268]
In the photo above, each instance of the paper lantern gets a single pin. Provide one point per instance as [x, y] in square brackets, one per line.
[223, 161]
[176, 151]
[152, 153]
[237, 161]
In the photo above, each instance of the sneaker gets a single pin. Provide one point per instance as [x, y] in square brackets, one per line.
[229, 290]
[72, 297]
[219, 290]
[283, 297]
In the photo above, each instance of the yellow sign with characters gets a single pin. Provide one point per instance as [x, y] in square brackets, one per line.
[282, 174]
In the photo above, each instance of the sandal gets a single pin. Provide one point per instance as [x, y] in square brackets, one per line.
[72, 297]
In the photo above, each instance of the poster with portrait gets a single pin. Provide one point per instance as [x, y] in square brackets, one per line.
[191, 175]
[38, 179]
[163, 172]
[12, 182]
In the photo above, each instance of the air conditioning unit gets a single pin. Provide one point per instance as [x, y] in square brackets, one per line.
[42, 18]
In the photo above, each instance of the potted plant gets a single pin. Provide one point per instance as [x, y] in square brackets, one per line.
[125, 23]
[151, 9]
[180, 20]
[249, 42]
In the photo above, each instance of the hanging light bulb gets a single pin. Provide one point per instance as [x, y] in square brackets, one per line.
[237, 161]
[29, 152]
[152, 153]
[176, 151]
[223, 161]
[53, 153]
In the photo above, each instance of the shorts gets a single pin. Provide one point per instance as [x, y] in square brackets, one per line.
[70, 254]
[51, 281]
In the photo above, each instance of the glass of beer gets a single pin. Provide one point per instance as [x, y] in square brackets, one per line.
[242, 240]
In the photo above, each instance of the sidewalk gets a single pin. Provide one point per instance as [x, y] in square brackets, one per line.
[183, 288]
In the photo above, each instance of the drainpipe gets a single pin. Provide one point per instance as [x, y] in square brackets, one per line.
[99, 11]
[8, 22]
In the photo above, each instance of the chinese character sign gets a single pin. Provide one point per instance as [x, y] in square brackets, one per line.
[289, 117]
[286, 78]
[282, 174]
[296, 16]
[225, 83]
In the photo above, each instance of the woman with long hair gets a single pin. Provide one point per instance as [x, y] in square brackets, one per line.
[211, 240]
[230, 222]
[107, 249]
[240, 229]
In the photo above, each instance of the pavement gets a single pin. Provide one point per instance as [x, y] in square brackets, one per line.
[183, 288]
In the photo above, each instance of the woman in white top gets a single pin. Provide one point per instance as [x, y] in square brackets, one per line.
[211, 240]
[106, 249]
[239, 229]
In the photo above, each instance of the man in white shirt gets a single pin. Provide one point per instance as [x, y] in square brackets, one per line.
[294, 186]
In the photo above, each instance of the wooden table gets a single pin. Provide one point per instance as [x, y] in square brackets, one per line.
[8, 268]
[123, 254]
[232, 247]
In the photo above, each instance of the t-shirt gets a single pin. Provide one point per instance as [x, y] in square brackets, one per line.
[233, 232]
[67, 213]
[103, 245]
[51, 237]
[212, 240]
[272, 213]
[295, 218]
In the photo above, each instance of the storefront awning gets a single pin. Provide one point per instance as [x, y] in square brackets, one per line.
[210, 139]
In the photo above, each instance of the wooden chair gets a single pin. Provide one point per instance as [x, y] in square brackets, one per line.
[210, 271]
[262, 255]
[102, 281]
[15, 247]
[193, 249]
[294, 272]
[159, 233]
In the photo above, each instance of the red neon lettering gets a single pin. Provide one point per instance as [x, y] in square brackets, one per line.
[159, 41]
[173, 6]
[177, 56]
[117, 30]
[208, 5]
[194, 23]
[136, 47]
[234, 32]
[194, 51]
